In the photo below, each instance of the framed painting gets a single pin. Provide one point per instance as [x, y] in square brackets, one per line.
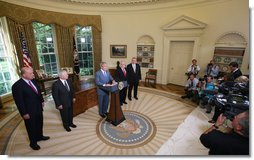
[118, 51]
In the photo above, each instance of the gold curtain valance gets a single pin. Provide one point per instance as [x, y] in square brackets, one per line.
[25, 15]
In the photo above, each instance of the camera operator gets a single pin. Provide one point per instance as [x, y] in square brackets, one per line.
[243, 85]
[207, 92]
[234, 142]
[193, 68]
[212, 69]
[191, 87]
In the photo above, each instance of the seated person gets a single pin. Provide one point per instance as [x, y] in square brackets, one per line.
[243, 85]
[242, 79]
[207, 92]
[191, 87]
[212, 69]
[233, 142]
[193, 68]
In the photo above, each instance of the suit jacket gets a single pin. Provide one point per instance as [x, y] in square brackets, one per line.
[235, 74]
[120, 75]
[61, 95]
[100, 80]
[26, 99]
[133, 77]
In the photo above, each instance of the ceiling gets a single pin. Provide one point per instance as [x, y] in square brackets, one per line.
[82, 6]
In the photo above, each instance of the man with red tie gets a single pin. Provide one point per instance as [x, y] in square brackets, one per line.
[29, 101]
[121, 75]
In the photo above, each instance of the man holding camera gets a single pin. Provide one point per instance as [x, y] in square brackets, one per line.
[212, 69]
[235, 142]
[207, 92]
[191, 87]
[193, 68]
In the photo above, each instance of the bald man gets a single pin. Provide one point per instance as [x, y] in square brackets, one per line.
[29, 101]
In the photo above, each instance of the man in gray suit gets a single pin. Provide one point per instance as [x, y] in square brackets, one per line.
[103, 78]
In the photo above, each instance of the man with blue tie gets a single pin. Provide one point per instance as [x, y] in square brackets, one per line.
[103, 78]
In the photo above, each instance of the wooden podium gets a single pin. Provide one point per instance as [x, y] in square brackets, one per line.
[115, 115]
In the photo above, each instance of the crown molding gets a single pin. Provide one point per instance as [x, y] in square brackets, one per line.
[110, 6]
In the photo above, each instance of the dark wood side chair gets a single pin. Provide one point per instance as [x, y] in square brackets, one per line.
[151, 75]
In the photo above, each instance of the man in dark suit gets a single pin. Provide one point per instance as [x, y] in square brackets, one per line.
[134, 75]
[235, 71]
[63, 95]
[103, 78]
[30, 102]
[121, 75]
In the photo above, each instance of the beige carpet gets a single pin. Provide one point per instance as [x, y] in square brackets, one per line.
[167, 114]
[185, 140]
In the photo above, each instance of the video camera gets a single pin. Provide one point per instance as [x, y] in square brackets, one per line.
[231, 87]
[232, 104]
[203, 79]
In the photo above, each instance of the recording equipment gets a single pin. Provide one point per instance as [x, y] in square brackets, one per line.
[232, 104]
[231, 87]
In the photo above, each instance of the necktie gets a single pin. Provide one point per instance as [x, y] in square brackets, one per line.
[66, 86]
[191, 85]
[31, 85]
[124, 72]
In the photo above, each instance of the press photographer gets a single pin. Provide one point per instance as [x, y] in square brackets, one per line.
[207, 92]
[232, 99]
[191, 88]
[212, 69]
[233, 142]
[193, 68]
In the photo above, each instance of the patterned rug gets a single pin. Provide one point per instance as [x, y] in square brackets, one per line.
[151, 121]
[135, 131]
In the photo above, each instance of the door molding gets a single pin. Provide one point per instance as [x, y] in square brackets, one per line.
[182, 28]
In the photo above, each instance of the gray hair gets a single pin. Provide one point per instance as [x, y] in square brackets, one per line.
[244, 122]
[61, 72]
[102, 63]
[242, 79]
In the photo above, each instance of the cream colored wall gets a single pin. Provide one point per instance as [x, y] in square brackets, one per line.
[127, 28]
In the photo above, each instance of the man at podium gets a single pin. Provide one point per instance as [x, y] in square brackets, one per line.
[103, 78]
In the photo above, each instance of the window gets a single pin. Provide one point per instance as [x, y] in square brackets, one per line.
[8, 74]
[85, 49]
[45, 48]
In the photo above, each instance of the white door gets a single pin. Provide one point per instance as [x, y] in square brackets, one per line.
[180, 55]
